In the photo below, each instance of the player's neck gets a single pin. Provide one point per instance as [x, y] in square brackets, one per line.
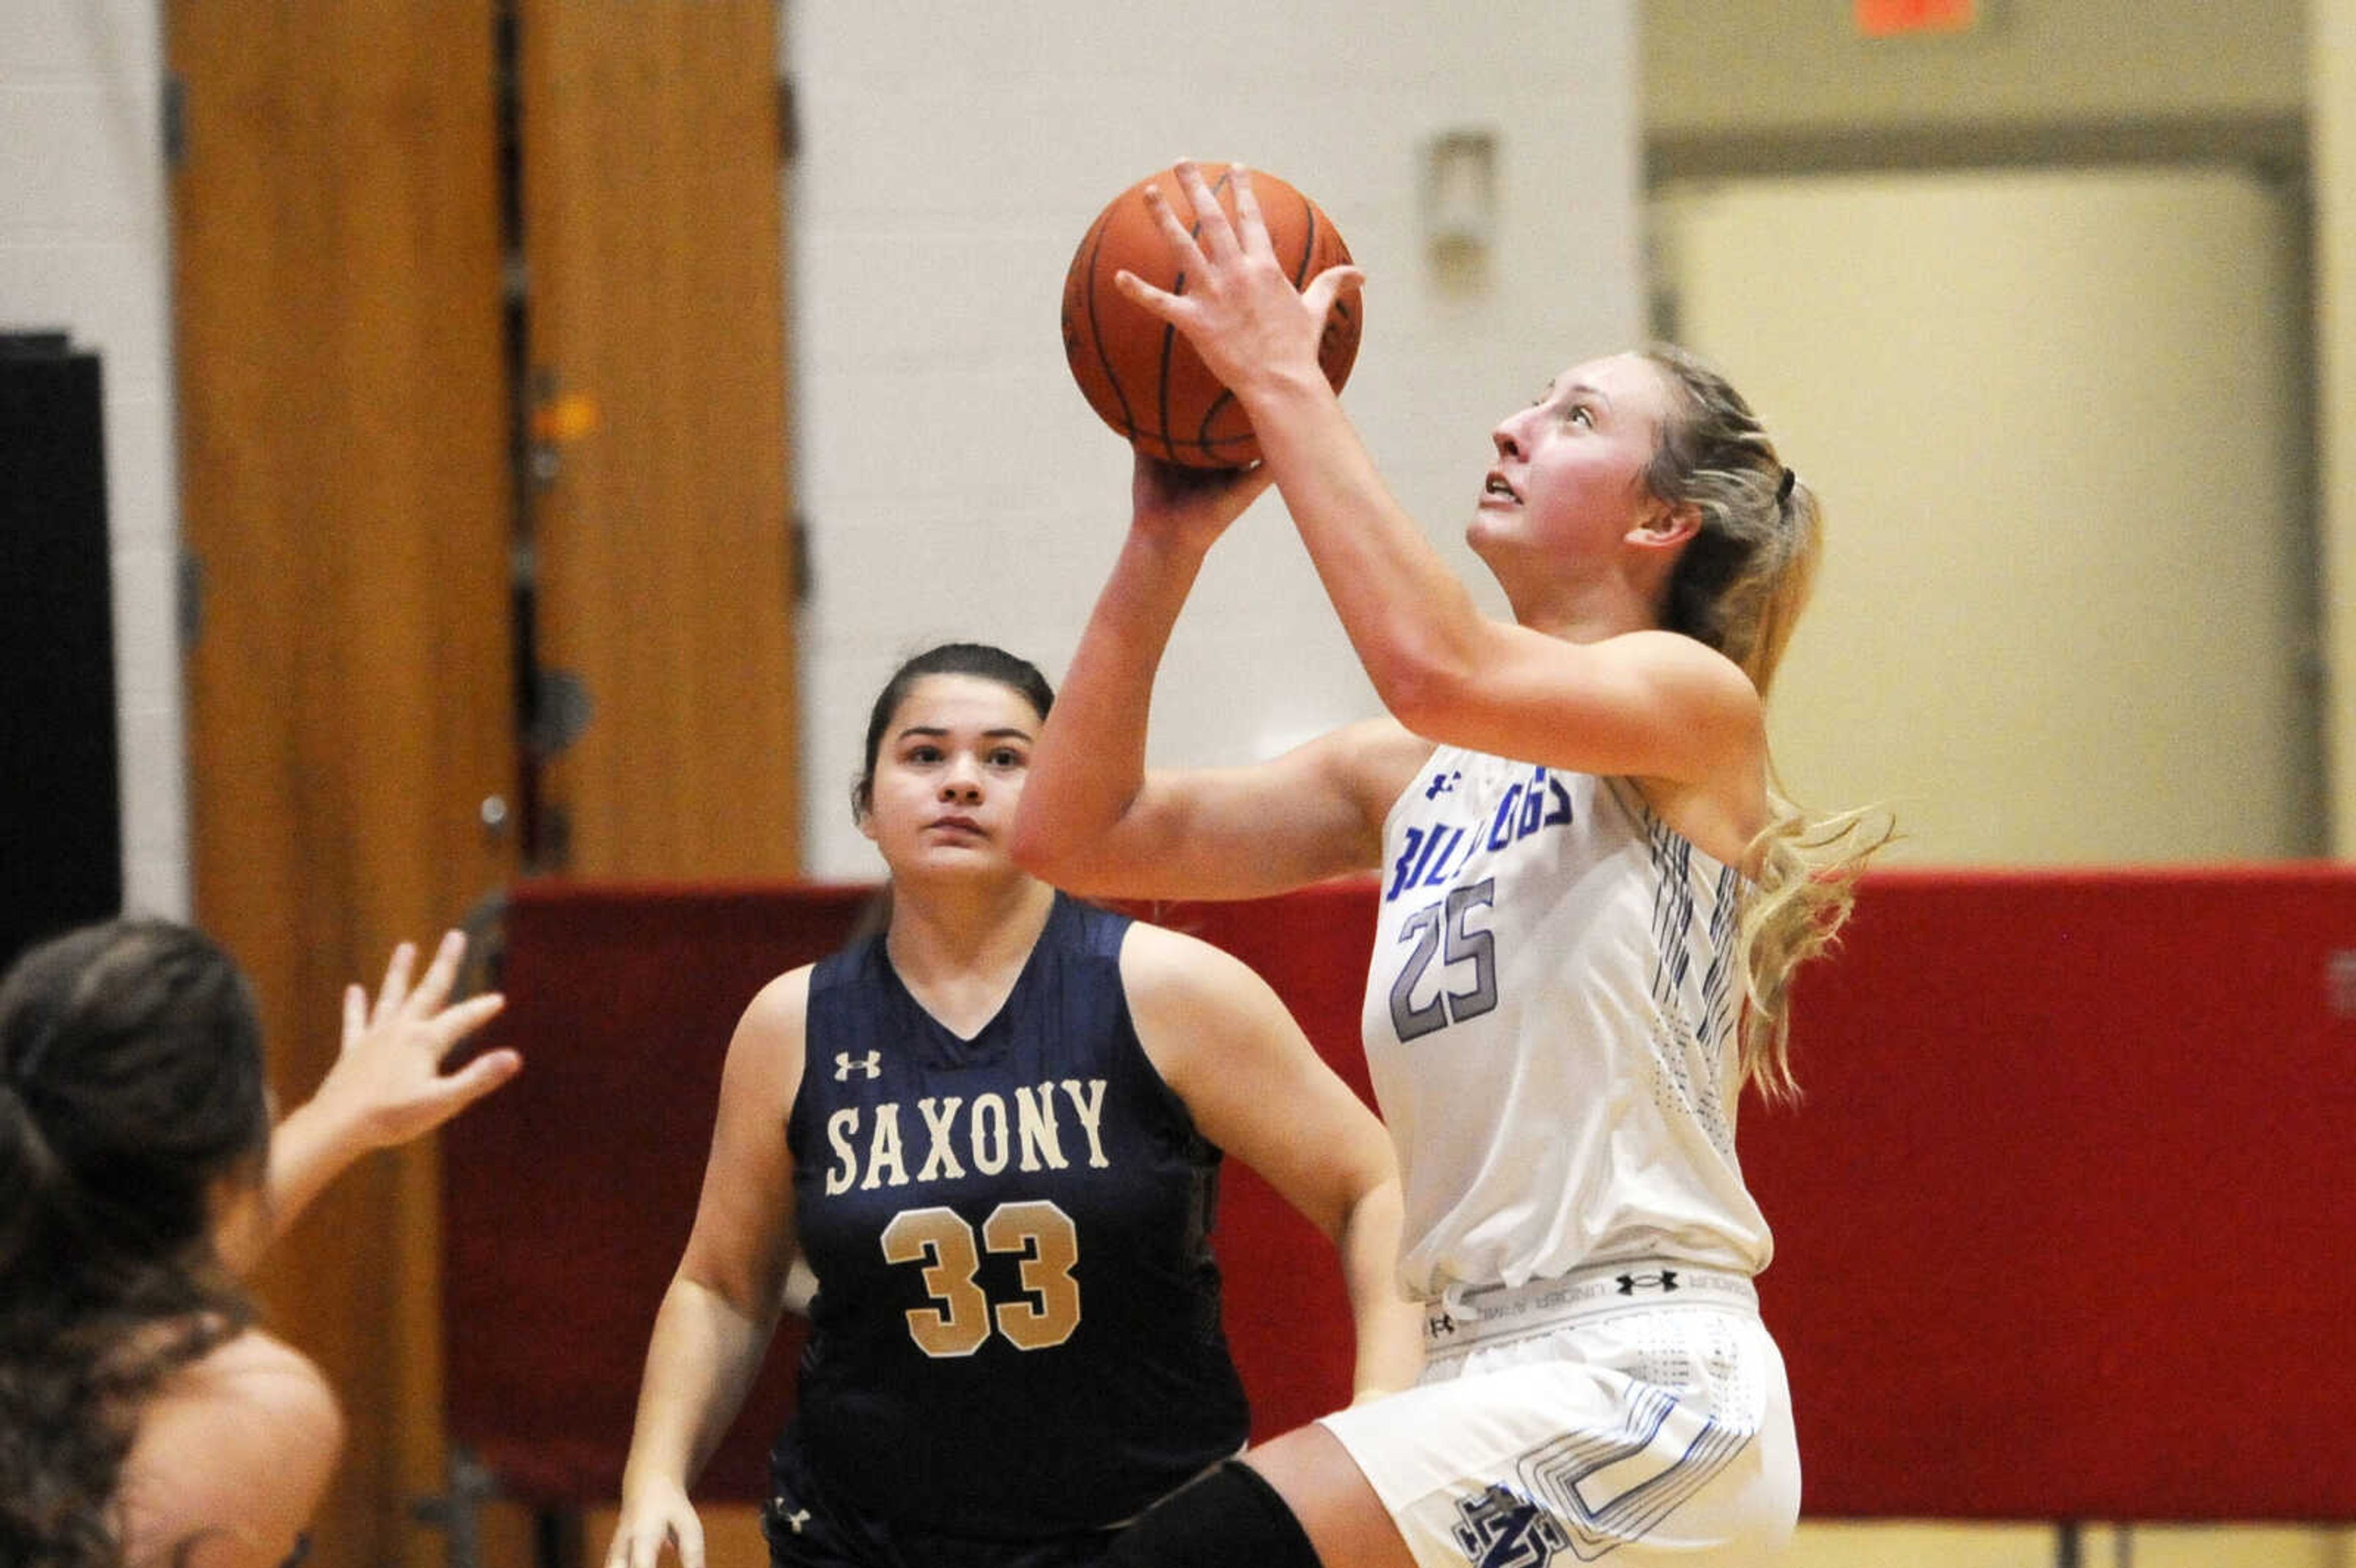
[1586, 611]
[960, 949]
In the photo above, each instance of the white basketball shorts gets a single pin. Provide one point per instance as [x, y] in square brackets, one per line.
[1637, 1412]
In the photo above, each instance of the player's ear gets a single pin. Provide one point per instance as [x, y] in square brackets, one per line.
[1664, 525]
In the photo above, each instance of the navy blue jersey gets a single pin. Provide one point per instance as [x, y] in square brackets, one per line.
[1016, 1330]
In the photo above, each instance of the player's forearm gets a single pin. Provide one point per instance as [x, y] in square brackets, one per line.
[1389, 1325]
[1089, 766]
[1408, 616]
[700, 1362]
[308, 1151]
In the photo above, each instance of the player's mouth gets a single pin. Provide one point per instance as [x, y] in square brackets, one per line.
[1496, 490]
[957, 825]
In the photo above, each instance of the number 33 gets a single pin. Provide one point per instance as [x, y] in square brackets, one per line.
[941, 1240]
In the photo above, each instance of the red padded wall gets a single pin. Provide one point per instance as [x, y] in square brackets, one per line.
[568, 1195]
[2065, 1224]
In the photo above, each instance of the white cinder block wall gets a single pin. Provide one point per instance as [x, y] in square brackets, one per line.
[84, 246]
[955, 483]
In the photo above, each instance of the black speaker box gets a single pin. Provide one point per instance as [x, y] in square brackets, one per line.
[61, 817]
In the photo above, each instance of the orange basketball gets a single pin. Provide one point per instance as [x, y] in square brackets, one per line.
[1141, 376]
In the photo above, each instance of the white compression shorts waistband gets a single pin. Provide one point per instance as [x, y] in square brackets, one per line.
[1465, 1316]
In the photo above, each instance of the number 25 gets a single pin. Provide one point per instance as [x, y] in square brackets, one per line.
[1439, 929]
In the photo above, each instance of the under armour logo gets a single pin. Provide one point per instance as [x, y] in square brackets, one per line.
[1442, 783]
[794, 1520]
[845, 1064]
[1632, 1283]
[1501, 1528]
[1440, 1325]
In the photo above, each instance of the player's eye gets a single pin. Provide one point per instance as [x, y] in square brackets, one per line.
[1007, 757]
[1579, 414]
[924, 753]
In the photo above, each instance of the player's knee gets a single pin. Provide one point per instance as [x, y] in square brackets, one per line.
[1230, 1516]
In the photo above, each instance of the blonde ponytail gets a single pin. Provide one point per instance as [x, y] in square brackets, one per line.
[1739, 587]
[1805, 881]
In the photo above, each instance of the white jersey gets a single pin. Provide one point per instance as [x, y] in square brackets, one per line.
[1551, 1029]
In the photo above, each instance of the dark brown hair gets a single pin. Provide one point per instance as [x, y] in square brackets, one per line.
[979, 659]
[131, 1089]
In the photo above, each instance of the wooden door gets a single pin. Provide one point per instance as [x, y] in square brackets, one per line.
[660, 526]
[345, 486]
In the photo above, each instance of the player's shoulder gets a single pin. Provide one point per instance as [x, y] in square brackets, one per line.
[785, 998]
[1689, 666]
[256, 1373]
[1373, 760]
[1712, 782]
[238, 1445]
[1166, 970]
[1206, 1019]
[771, 1036]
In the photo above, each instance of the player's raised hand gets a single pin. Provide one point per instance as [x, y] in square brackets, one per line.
[1191, 506]
[387, 1085]
[1240, 309]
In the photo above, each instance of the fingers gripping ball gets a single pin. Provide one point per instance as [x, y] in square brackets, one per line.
[1139, 373]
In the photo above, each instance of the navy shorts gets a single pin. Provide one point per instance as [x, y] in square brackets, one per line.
[808, 1528]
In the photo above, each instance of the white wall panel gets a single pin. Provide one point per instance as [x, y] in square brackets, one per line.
[84, 246]
[952, 156]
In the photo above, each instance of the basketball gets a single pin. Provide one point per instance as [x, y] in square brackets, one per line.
[1139, 374]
